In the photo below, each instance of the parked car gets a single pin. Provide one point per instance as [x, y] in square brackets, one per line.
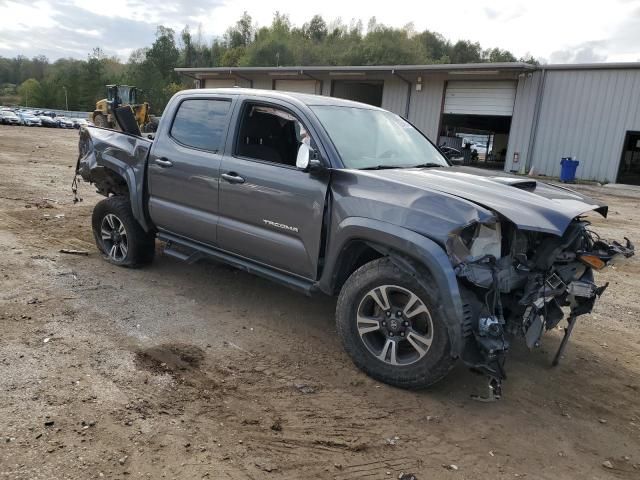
[453, 154]
[8, 117]
[29, 120]
[64, 122]
[431, 264]
[80, 122]
[481, 149]
[48, 121]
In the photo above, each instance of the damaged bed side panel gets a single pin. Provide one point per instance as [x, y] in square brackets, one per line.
[115, 163]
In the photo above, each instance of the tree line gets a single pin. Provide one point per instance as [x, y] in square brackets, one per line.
[42, 83]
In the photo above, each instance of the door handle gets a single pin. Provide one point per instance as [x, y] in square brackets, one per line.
[163, 162]
[232, 177]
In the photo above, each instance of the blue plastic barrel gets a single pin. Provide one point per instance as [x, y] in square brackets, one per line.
[568, 167]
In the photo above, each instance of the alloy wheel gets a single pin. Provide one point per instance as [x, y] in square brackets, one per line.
[394, 325]
[114, 237]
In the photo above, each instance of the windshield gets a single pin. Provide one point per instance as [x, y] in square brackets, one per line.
[368, 138]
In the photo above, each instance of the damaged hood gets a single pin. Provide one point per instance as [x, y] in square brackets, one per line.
[529, 204]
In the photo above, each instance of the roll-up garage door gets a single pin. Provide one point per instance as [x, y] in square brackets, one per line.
[219, 83]
[480, 98]
[298, 86]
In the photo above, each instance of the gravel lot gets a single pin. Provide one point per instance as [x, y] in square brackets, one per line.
[202, 371]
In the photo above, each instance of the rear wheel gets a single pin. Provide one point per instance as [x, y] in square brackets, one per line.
[392, 327]
[119, 236]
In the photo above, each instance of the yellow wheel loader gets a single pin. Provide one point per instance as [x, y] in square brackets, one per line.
[119, 96]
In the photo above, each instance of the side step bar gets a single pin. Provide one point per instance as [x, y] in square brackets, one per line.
[190, 252]
[192, 257]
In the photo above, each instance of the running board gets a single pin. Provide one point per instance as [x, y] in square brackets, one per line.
[191, 252]
[192, 256]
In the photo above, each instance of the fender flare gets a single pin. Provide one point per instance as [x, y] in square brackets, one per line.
[135, 185]
[409, 251]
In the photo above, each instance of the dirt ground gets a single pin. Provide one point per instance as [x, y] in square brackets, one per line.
[201, 371]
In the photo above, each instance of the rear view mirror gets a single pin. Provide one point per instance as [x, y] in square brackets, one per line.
[307, 159]
[304, 155]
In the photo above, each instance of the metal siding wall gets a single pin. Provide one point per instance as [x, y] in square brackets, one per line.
[424, 111]
[298, 86]
[264, 83]
[585, 114]
[219, 83]
[394, 96]
[522, 120]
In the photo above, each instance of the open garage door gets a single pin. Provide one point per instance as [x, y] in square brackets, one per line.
[219, 82]
[297, 86]
[476, 119]
[491, 98]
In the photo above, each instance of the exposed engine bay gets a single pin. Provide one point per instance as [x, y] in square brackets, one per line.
[519, 283]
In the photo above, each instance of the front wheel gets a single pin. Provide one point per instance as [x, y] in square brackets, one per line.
[392, 327]
[118, 234]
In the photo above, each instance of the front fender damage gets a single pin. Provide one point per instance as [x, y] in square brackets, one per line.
[519, 283]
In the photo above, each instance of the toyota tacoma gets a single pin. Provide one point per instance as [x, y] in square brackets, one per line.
[431, 264]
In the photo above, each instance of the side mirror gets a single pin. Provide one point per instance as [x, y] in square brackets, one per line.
[307, 158]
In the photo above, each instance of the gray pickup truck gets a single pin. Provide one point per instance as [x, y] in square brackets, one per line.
[430, 263]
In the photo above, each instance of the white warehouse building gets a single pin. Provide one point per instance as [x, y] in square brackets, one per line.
[517, 116]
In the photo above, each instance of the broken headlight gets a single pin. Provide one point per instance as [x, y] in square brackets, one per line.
[474, 242]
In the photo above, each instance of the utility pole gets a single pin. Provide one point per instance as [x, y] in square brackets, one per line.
[66, 100]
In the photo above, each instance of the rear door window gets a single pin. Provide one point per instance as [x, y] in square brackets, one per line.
[200, 123]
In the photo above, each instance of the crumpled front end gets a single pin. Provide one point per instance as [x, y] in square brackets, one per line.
[520, 283]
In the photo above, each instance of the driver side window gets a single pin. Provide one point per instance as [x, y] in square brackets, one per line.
[270, 134]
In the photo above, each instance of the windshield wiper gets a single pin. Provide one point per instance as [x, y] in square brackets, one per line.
[427, 165]
[389, 167]
[382, 167]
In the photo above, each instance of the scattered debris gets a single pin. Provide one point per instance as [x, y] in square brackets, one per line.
[43, 204]
[233, 345]
[71, 251]
[277, 426]
[304, 388]
[407, 476]
[392, 441]
[60, 215]
[267, 467]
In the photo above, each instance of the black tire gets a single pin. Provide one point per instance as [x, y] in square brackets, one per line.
[114, 214]
[100, 120]
[420, 372]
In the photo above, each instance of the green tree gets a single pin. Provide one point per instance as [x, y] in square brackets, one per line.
[465, 51]
[316, 29]
[241, 34]
[497, 55]
[163, 54]
[29, 92]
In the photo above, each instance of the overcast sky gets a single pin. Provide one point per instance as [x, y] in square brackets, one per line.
[555, 31]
